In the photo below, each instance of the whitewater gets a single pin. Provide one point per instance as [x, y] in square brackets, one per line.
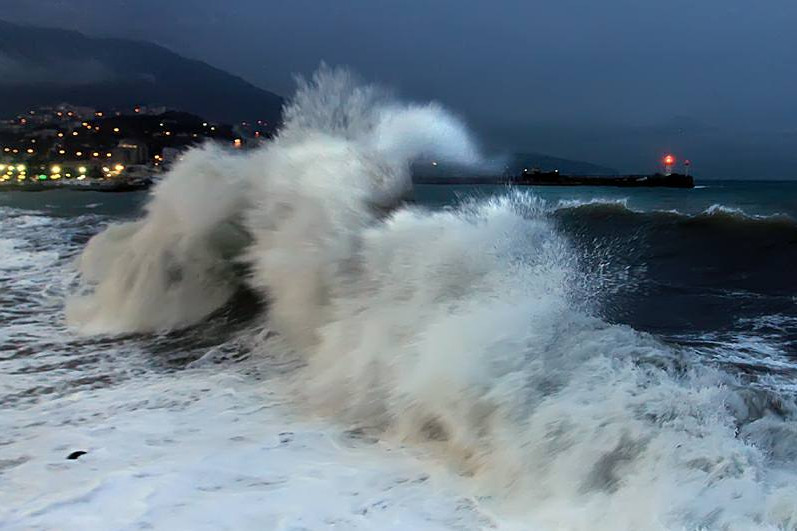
[401, 368]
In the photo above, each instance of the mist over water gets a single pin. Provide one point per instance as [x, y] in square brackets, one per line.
[470, 332]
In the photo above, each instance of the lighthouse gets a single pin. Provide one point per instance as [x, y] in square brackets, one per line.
[669, 162]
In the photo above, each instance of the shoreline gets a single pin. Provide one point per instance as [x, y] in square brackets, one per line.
[92, 187]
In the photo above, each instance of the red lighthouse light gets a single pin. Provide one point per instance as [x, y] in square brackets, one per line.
[669, 160]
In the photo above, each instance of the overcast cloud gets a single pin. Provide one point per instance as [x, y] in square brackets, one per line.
[615, 82]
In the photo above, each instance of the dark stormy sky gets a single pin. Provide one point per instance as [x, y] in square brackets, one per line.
[617, 82]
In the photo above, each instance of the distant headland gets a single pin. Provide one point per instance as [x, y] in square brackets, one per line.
[575, 173]
[554, 178]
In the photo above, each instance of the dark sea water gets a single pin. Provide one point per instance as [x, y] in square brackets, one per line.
[714, 268]
[711, 271]
[279, 340]
[756, 198]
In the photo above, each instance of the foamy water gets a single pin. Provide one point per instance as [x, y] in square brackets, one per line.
[212, 451]
[411, 368]
[205, 444]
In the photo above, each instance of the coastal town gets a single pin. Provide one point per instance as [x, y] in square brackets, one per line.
[117, 150]
[84, 148]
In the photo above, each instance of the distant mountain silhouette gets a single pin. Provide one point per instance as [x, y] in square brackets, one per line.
[501, 167]
[42, 66]
[521, 161]
[48, 66]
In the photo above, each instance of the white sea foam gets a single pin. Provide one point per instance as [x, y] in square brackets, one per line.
[461, 330]
[723, 211]
[575, 203]
[213, 450]
[13, 256]
[203, 448]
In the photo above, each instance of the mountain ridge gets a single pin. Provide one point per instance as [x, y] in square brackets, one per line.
[48, 66]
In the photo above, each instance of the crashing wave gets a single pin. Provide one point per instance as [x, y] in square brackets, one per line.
[715, 214]
[465, 330]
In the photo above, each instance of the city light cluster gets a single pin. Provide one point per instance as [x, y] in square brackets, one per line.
[66, 143]
[19, 172]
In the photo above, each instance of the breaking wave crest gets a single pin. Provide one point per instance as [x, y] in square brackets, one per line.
[467, 331]
[717, 215]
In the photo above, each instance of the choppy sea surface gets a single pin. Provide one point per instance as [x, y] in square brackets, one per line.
[197, 429]
[182, 430]
[710, 267]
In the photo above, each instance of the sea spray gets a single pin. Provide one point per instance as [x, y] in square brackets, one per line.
[465, 331]
[172, 268]
[341, 159]
[459, 330]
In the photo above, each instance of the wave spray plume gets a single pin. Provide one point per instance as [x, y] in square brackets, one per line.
[466, 331]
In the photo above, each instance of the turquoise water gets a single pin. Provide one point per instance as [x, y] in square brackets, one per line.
[754, 198]
[66, 203]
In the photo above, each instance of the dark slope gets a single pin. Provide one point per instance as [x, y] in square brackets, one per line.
[40, 66]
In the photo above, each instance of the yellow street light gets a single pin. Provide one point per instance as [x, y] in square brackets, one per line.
[81, 169]
[55, 169]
